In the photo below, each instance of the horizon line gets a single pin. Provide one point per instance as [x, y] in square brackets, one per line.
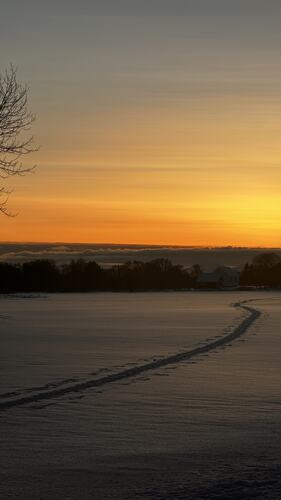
[154, 245]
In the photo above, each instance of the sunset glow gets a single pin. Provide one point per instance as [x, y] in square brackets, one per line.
[164, 131]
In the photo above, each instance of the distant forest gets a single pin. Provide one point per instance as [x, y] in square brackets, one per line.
[158, 274]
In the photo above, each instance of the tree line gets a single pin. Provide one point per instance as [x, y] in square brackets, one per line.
[82, 276]
[159, 274]
[265, 270]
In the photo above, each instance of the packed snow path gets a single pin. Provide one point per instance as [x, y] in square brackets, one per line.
[56, 390]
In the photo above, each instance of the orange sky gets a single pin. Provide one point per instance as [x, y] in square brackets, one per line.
[154, 129]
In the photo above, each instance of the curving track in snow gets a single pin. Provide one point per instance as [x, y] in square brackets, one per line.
[58, 390]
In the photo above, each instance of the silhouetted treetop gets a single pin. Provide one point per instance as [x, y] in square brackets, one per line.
[15, 121]
[267, 259]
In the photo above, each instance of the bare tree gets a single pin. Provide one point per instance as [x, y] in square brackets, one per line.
[15, 121]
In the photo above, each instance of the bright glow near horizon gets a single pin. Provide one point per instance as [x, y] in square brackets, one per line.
[159, 125]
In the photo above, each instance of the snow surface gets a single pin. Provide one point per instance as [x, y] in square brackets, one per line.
[205, 427]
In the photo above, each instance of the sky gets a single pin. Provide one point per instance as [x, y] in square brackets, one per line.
[158, 121]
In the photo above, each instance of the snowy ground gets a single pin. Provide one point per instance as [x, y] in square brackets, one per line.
[205, 427]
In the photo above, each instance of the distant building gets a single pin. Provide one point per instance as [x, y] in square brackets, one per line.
[221, 278]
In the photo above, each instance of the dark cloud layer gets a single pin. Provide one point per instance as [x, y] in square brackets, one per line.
[117, 254]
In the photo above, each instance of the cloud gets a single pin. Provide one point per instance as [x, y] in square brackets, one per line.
[107, 255]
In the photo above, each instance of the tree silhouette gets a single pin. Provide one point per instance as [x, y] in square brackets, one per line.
[267, 259]
[15, 121]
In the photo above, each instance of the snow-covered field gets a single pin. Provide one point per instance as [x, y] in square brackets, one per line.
[201, 425]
